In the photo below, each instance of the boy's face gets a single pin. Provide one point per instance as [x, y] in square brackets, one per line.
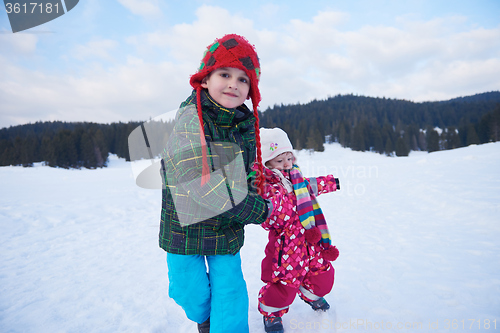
[281, 162]
[228, 86]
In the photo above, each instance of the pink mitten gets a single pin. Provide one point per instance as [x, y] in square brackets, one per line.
[330, 254]
[312, 235]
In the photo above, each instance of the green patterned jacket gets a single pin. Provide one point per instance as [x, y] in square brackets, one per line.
[195, 220]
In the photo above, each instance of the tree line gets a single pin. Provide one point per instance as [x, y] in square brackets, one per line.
[387, 126]
[63, 144]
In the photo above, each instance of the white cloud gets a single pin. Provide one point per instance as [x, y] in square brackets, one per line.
[184, 43]
[144, 8]
[440, 80]
[302, 60]
[131, 91]
[19, 43]
[188, 41]
[96, 48]
[384, 60]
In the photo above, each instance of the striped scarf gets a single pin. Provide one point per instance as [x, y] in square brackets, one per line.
[308, 208]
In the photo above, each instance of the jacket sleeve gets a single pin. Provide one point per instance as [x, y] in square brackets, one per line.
[282, 204]
[323, 184]
[225, 193]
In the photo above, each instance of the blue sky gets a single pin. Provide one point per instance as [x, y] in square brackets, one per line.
[119, 60]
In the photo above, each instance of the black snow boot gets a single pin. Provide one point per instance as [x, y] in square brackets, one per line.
[204, 327]
[319, 304]
[273, 325]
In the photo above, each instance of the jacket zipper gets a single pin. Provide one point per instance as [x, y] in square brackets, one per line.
[281, 250]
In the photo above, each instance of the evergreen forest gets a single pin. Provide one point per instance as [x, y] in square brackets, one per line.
[386, 126]
[389, 126]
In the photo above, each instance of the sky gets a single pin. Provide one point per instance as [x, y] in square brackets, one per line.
[122, 60]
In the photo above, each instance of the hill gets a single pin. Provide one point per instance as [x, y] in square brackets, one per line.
[389, 125]
[493, 96]
[386, 126]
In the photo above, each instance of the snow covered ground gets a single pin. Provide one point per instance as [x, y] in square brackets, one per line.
[419, 238]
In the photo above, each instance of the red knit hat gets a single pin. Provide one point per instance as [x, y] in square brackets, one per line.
[230, 51]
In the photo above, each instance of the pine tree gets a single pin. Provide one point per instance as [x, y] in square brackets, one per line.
[432, 140]
[87, 154]
[315, 140]
[4, 146]
[343, 135]
[7, 152]
[29, 151]
[47, 150]
[452, 138]
[414, 144]
[389, 147]
[472, 137]
[358, 139]
[483, 128]
[401, 147]
[378, 144]
[495, 125]
[422, 141]
[16, 152]
[100, 148]
[65, 150]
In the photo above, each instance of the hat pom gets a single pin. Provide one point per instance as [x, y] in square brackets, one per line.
[312, 235]
[330, 254]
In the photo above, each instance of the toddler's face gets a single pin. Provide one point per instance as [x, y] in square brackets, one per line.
[281, 162]
[228, 86]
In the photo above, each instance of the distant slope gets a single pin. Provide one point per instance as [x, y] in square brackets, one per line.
[387, 126]
[493, 96]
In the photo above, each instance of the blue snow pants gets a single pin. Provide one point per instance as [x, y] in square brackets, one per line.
[221, 294]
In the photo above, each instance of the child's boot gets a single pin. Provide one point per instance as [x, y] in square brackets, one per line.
[273, 325]
[319, 304]
[204, 327]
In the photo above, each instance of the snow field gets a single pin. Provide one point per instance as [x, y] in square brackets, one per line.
[418, 239]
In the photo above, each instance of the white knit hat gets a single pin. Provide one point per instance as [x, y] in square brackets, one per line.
[274, 141]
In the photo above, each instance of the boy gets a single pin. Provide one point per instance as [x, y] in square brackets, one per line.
[217, 300]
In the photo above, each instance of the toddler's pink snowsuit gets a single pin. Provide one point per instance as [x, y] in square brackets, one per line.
[291, 265]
